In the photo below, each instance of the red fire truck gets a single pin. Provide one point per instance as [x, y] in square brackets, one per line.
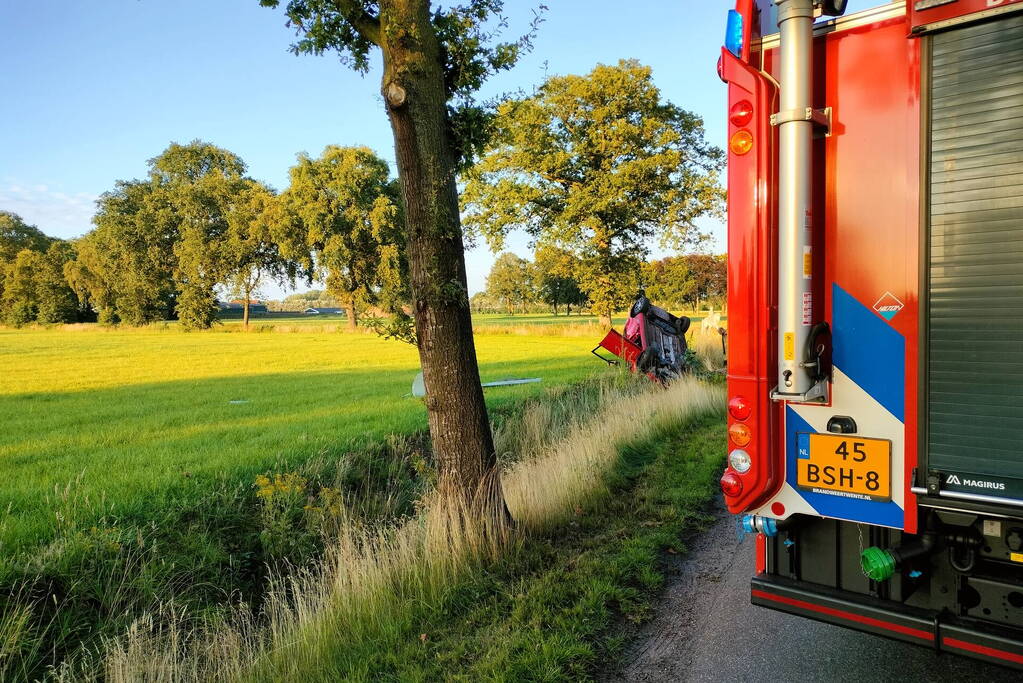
[875, 294]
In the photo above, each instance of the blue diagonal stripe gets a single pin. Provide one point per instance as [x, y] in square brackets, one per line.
[869, 351]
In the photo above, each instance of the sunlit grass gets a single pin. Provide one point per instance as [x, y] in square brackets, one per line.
[137, 418]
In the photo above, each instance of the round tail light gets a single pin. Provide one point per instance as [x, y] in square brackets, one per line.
[731, 484]
[741, 113]
[739, 408]
[740, 461]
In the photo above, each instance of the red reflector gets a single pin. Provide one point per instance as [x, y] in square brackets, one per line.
[741, 113]
[731, 484]
[739, 408]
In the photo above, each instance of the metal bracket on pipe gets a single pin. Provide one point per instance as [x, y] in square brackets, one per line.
[821, 118]
[818, 393]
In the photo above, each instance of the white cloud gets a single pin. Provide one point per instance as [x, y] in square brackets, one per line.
[56, 212]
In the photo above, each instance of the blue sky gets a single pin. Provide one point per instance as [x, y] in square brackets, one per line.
[94, 88]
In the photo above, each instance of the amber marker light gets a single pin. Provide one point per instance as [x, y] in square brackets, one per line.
[741, 142]
[740, 434]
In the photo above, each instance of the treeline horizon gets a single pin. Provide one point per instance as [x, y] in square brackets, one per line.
[162, 247]
[551, 282]
[592, 198]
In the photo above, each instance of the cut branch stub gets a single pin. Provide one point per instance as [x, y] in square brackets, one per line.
[395, 95]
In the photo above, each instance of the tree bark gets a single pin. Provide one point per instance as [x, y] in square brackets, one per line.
[353, 316]
[414, 93]
[245, 309]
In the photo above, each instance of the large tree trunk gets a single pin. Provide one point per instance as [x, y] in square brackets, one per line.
[245, 309]
[353, 315]
[413, 89]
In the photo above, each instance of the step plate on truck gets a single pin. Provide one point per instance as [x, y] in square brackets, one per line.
[890, 619]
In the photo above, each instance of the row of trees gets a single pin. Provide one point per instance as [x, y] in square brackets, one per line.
[33, 280]
[552, 281]
[163, 246]
[515, 284]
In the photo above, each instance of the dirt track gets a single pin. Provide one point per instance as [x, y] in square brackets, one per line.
[706, 630]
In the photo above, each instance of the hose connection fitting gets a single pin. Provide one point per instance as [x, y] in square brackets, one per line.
[768, 526]
[880, 565]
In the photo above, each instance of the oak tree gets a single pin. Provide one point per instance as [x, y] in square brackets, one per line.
[556, 278]
[709, 276]
[668, 281]
[434, 59]
[55, 299]
[252, 255]
[600, 165]
[16, 235]
[200, 184]
[338, 220]
[19, 303]
[511, 281]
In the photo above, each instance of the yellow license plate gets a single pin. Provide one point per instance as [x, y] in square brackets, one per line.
[845, 465]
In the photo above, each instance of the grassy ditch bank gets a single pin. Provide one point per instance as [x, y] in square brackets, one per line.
[606, 484]
[562, 605]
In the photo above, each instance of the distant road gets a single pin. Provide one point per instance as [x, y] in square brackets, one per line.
[707, 630]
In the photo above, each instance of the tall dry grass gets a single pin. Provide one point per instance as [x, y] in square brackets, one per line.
[708, 348]
[316, 624]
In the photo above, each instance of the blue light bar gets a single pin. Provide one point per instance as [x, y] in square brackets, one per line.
[733, 33]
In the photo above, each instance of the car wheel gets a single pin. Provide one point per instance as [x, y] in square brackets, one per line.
[642, 305]
[682, 325]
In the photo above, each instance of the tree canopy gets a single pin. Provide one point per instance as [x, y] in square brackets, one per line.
[162, 245]
[16, 236]
[253, 255]
[511, 281]
[600, 165]
[341, 219]
[556, 273]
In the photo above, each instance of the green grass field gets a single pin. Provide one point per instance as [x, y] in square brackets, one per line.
[138, 418]
[479, 319]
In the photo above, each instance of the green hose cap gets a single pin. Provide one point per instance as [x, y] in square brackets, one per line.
[877, 564]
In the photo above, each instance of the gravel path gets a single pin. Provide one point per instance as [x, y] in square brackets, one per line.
[706, 629]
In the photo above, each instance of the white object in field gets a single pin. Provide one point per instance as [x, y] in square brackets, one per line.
[711, 322]
[419, 386]
[510, 382]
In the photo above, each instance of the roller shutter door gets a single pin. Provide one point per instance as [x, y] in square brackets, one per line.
[975, 284]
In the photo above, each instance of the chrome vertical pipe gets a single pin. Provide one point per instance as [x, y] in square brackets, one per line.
[795, 131]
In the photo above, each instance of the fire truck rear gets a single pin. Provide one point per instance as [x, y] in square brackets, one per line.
[875, 242]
